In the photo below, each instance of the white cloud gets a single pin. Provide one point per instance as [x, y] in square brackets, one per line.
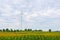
[7, 10]
[42, 15]
[2, 21]
[52, 13]
[30, 16]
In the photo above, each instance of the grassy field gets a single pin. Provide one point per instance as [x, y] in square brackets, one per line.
[29, 35]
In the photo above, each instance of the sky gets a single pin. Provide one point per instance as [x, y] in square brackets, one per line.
[37, 14]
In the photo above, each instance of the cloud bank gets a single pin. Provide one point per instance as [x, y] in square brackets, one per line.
[37, 14]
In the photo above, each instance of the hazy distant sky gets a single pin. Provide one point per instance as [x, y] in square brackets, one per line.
[37, 14]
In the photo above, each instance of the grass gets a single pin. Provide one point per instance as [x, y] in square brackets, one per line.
[29, 35]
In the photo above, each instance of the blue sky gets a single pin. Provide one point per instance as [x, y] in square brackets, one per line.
[37, 14]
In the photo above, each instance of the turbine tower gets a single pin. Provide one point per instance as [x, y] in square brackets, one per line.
[21, 19]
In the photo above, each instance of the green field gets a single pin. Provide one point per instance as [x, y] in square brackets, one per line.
[29, 35]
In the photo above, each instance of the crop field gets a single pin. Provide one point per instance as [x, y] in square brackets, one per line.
[29, 35]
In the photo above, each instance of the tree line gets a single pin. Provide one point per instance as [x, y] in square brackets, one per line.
[11, 30]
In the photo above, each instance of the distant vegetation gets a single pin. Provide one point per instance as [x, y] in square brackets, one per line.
[11, 30]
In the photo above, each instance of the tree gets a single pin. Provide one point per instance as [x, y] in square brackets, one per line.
[7, 30]
[29, 29]
[39, 30]
[26, 30]
[17, 30]
[11, 30]
[49, 30]
[4, 30]
[35, 30]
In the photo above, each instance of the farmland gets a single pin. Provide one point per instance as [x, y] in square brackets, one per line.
[30, 35]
